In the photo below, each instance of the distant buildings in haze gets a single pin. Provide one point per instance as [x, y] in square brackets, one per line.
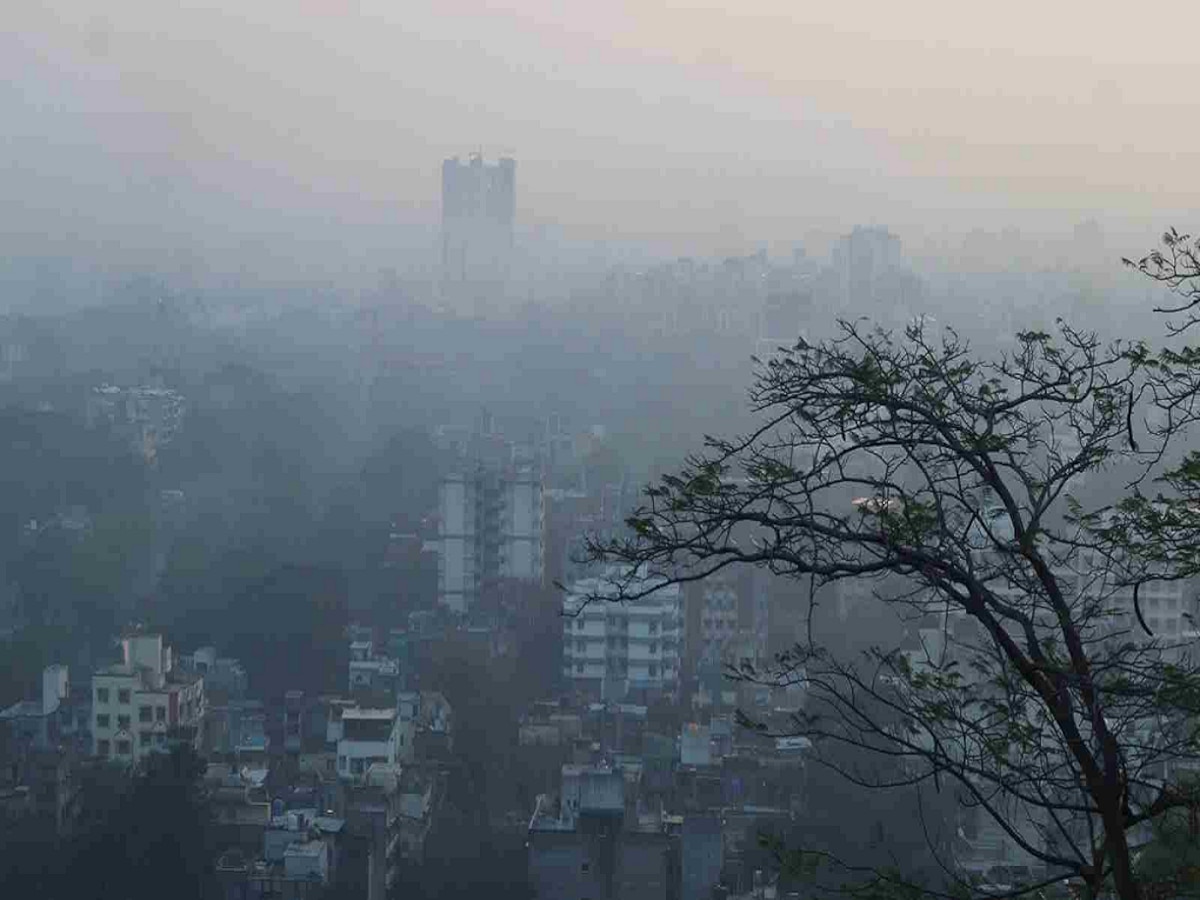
[478, 214]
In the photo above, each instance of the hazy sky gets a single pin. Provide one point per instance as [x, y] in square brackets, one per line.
[130, 123]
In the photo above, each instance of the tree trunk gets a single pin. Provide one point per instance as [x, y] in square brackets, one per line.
[1124, 881]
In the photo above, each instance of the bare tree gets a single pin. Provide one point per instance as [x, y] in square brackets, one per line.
[950, 483]
[1176, 264]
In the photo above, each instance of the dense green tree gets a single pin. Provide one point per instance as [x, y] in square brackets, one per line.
[138, 836]
[145, 837]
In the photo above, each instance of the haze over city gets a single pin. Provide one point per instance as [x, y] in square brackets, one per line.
[620, 451]
[679, 131]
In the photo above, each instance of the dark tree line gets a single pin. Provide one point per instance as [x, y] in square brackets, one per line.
[139, 837]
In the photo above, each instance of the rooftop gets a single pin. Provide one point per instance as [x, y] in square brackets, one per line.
[305, 848]
[23, 709]
[366, 714]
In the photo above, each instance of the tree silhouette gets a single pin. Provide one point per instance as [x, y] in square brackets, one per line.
[947, 483]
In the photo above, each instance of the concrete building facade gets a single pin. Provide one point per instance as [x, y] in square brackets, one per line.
[143, 702]
[491, 529]
[614, 649]
[371, 737]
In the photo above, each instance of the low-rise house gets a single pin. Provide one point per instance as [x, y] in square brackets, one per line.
[298, 877]
[233, 724]
[240, 805]
[432, 721]
[39, 724]
[223, 676]
[591, 846]
[420, 791]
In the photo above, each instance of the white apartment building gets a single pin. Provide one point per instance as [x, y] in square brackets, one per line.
[615, 648]
[491, 529]
[140, 702]
[369, 737]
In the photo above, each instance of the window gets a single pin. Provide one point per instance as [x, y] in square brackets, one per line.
[579, 624]
[123, 695]
[585, 868]
[145, 713]
[580, 646]
[101, 695]
[356, 766]
[654, 671]
[654, 646]
[102, 720]
[342, 763]
[122, 722]
[160, 714]
[654, 628]
[102, 748]
[144, 739]
[160, 738]
[579, 668]
[122, 748]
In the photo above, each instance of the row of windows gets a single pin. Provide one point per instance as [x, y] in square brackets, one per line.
[123, 695]
[582, 646]
[359, 765]
[124, 747]
[1169, 602]
[720, 602]
[617, 623]
[146, 714]
[652, 671]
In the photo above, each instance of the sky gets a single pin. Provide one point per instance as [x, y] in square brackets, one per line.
[315, 127]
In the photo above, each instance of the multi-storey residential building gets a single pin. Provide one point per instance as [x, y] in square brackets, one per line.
[369, 737]
[143, 702]
[491, 529]
[615, 649]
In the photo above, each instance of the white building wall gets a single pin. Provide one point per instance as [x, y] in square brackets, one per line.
[520, 539]
[456, 551]
[397, 748]
[631, 645]
[522, 525]
[126, 730]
